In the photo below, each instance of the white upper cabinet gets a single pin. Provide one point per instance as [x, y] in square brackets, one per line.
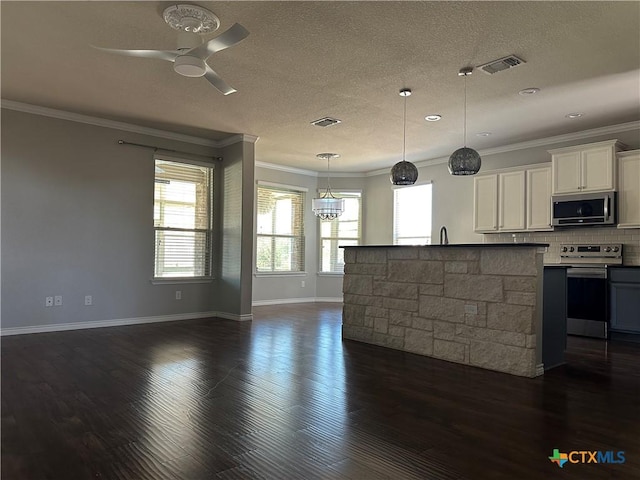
[629, 189]
[585, 168]
[513, 200]
[485, 203]
[539, 198]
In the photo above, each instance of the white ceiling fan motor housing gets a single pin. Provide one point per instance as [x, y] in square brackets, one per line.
[189, 66]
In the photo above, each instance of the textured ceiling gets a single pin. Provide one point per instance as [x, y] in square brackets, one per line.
[306, 60]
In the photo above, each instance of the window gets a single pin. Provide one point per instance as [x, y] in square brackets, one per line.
[182, 211]
[412, 215]
[280, 229]
[344, 230]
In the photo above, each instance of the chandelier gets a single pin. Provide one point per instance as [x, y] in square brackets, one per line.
[328, 207]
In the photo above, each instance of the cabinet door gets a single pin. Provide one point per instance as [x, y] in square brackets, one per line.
[566, 172]
[511, 204]
[597, 169]
[625, 305]
[539, 199]
[629, 191]
[485, 205]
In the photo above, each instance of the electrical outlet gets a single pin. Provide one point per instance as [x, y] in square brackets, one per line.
[471, 309]
[48, 302]
[88, 300]
[178, 294]
[302, 283]
[57, 301]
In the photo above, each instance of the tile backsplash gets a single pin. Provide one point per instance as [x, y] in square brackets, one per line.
[629, 237]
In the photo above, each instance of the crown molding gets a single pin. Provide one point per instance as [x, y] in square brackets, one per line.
[102, 122]
[287, 169]
[541, 142]
[128, 127]
[239, 138]
[308, 173]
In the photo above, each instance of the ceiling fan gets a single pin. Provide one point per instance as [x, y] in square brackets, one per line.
[189, 59]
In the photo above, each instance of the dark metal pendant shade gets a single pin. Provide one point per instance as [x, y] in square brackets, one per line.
[464, 161]
[403, 173]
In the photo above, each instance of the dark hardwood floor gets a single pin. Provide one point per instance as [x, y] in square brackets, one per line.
[284, 397]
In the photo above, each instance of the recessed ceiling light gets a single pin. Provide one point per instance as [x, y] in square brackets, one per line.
[433, 118]
[573, 115]
[483, 134]
[528, 91]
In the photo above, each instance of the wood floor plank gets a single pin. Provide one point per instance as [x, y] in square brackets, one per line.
[283, 397]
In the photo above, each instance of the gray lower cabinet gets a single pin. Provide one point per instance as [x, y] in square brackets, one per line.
[624, 303]
[554, 316]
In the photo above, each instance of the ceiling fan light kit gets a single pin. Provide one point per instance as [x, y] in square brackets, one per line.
[403, 172]
[189, 66]
[327, 207]
[465, 161]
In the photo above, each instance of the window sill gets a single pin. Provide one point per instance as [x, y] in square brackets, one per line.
[331, 274]
[280, 274]
[180, 280]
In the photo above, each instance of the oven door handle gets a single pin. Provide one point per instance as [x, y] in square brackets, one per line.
[585, 272]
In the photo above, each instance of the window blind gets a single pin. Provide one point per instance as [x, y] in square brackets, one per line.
[342, 231]
[280, 230]
[412, 212]
[183, 200]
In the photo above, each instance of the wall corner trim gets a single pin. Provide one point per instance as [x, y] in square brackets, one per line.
[241, 137]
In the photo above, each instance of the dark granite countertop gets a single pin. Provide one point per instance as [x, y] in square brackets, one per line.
[454, 245]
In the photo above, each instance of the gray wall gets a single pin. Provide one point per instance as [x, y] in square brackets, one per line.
[77, 219]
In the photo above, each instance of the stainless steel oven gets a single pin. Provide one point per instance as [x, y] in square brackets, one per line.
[587, 300]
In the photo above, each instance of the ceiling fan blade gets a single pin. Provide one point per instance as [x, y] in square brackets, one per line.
[215, 80]
[230, 37]
[159, 54]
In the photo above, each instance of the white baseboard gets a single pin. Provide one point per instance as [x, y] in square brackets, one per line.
[329, 299]
[282, 301]
[60, 327]
[236, 317]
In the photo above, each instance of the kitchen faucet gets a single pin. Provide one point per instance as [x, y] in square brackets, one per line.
[443, 233]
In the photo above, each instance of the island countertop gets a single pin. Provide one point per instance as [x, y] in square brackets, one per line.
[475, 304]
[454, 245]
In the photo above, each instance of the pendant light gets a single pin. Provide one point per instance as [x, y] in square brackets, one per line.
[328, 207]
[404, 173]
[464, 161]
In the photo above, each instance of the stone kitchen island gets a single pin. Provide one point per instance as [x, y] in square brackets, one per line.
[475, 304]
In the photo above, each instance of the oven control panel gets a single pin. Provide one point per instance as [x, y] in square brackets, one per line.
[610, 253]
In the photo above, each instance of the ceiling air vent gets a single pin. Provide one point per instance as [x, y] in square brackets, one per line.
[501, 64]
[325, 122]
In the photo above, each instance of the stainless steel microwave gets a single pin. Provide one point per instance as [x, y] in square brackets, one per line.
[584, 209]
